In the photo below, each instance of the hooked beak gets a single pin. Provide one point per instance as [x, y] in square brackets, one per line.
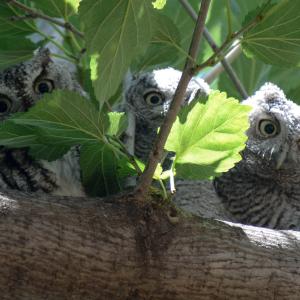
[282, 156]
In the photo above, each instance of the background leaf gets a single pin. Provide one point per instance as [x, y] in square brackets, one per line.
[276, 39]
[210, 140]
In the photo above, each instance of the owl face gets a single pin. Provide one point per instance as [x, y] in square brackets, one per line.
[274, 135]
[22, 85]
[150, 94]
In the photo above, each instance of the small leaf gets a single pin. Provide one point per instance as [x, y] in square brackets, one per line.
[209, 141]
[276, 39]
[116, 32]
[159, 4]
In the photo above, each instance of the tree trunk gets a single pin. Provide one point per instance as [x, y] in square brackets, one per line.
[62, 248]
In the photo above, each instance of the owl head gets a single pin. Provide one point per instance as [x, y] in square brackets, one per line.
[150, 94]
[22, 85]
[273, 146]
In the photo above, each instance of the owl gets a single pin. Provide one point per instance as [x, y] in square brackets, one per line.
[149, 95]
[263, 189]
[21, 86]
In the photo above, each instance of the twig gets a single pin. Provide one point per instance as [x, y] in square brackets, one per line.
[231, 73]
[212, 60]
[212, 74]
[157, 150]
[35, 14]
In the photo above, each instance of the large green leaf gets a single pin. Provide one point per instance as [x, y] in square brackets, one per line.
[15, 50]
[15, 46]
[99, 166]
[276, 39]
[66, 118]
[57, 8]
[165, 45]
[9, 27]
[63, 119]
[209, 141]
[116, 32]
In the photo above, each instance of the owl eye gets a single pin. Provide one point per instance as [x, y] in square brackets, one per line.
[5, 105]
[268, 128]
[153, 98]
[43, 86]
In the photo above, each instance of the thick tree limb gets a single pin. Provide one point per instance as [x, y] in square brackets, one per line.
[60, 248]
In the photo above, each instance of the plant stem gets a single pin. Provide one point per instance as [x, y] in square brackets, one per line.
[211, 61]
[145, 180]
[224, 61]
[229, 21]
[35, 14]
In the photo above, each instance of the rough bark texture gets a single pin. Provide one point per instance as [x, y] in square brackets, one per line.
[62, 248]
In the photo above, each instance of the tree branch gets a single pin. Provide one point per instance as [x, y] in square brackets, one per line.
[157, 151]
[231, 73]
[216, 70]
[35, 14]
[63, 248]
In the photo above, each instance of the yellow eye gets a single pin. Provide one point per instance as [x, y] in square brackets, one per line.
[43, 86]
[153, 98]
[5, 105]
[268, 128]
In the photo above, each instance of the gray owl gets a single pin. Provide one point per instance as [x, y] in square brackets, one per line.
[21, 86]
[263, 189]
[148, 95]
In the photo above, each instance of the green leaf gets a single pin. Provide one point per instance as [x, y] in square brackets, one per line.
[159, 4]
[57, 8]
[99, 170]
[47, 152]
[15, 46]
[209, 141]
[116, 32]
[10, 28]
[66, 118]
[15, 50]
[16, 136]
[165, 45]
[276, 39]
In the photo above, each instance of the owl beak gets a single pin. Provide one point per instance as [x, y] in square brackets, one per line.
[282, 156]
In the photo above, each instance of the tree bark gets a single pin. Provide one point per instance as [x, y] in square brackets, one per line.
[62, 248]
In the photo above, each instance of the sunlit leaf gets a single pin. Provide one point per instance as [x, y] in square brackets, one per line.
[276, 39]
[209, 141]
[159, 4]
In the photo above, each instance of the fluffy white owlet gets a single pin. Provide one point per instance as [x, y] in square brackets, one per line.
[21, 86]
[149, 95]
[263, 189]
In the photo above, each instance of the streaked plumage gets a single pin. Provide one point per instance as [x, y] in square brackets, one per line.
[148, 95]
[264, 188]
[21, 86]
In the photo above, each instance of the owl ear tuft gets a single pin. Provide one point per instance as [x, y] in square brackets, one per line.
[42, 56]
[128, 79]
[271, 91]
